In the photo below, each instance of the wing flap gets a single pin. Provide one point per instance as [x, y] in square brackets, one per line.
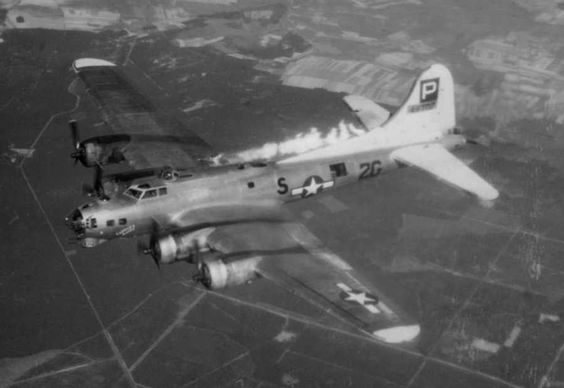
[439, 162]
[370, 114]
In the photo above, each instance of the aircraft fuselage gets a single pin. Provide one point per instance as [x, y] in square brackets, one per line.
[219, 195]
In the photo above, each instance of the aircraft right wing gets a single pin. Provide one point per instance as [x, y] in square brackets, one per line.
[293, 258]
[370, 114]
[157, 138]
[438, 161]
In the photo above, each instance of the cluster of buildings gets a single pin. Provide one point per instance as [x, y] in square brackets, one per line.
[520, 53]
[547, 11]
[533, 76]
[60, 18]
[133, 16]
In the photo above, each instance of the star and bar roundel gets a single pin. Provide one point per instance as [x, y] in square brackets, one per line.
[368, 301]
[312, 185]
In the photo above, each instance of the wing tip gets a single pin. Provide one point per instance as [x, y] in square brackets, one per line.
[398, 334]
[488, 196]
[81, 63]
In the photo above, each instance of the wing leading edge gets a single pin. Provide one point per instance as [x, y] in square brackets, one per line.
[438, 161]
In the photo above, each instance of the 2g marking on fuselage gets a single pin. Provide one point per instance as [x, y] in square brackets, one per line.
[370, 169]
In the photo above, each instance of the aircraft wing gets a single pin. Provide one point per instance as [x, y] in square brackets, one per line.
[438, 161]
[370, 114]
[158, 138]
[295, 259]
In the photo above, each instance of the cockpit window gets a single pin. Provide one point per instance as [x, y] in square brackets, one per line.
[144, 191]
[134, 193]
[150, 193]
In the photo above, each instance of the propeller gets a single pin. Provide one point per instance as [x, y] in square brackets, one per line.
[196, 258]
[201, 276]
[78, 148]
[149, 248]
[98, 185]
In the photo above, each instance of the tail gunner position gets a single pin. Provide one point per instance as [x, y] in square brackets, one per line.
[189, 207]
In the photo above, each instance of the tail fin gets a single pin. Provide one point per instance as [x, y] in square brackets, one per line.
[430, 104]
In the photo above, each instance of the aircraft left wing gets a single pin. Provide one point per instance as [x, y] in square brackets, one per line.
[297, 261]
[157, 138]
[438, 161]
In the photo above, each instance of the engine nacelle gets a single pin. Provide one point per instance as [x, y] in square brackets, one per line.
[218, 274]
[102, 150]
[181, 246]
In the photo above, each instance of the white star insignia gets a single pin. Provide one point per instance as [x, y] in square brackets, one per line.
[359, 297]
[312, 188]
[313, 185]
[368, 302]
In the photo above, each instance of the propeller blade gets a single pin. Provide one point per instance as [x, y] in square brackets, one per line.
[145, 249]
[153, 240]
[79, 151]
[142, 247]
[157, 262]
[98, 185]
[74, 133]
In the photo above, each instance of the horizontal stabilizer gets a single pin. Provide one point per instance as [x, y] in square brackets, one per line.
[435, 159]
[370, 114]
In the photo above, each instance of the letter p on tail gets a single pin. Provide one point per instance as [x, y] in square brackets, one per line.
[430, 104]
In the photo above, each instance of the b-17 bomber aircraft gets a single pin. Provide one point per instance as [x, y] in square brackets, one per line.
[211, 215]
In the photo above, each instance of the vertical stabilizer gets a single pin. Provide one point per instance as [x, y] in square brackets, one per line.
[430, 105]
